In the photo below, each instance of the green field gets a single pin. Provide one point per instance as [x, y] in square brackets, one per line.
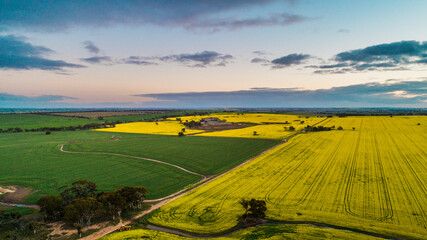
[263, 232]
[34, 160]
[29, 121]
[372, 178]
[204, 155]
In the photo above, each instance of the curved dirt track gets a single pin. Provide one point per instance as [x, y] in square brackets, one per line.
[142, 158]
[234, 230]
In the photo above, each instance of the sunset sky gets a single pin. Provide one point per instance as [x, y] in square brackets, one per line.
[210, 53]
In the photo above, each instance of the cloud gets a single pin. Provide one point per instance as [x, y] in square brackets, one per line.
[283, 62]
[389, 56]
[215, 25]
[16, 53]
[388, 94]
[343, 30]
[201, 14]
[138, 61]
[16, 101]
[90, 46]
[201, 59]
[97, 59]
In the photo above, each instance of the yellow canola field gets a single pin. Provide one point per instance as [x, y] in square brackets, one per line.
[372, 178]
[258, 118]
[271, 131]
[162, 128]
[264, 232]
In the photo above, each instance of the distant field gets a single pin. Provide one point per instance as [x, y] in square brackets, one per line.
[34, 160]
[263, 232]
[258, 118]
[371, 178]
[270, 126]
[161, 128]
[29, 121]
[96, 114]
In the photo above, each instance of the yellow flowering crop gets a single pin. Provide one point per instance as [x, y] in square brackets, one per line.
[372, 178]
[162, 128]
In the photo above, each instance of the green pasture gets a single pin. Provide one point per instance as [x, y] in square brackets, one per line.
[34, 160]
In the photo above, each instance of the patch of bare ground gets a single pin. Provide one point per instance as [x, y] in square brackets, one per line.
[221, 127]
[61, 230]
[15, 193]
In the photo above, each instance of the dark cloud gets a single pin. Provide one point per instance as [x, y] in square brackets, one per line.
[13, 101]
[390, 56]
[138, 61]
[215, 25]
[54, 15]
[90, 46]
[289, 60]
[97, 60]
[16, 53]
[201, 59]
[283, 62]
[388, 94]
[398, 52]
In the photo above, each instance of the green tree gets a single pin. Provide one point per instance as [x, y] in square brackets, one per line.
[52, 206]
[113, 204]
[81, 211]
[134, 196]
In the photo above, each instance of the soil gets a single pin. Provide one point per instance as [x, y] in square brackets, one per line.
[16, 195]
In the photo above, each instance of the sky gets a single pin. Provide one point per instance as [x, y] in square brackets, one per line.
[213, 53]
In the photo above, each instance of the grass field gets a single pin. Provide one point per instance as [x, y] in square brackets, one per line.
[263, 232]
[29, 121]
[34, 160]
[204, 155]
[372, 178]
[162, 128]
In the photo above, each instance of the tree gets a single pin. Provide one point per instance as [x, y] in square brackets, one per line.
[245, 205]
[257, 208]
[134, 196]
[81, 211]
[291, 128]
[255, 133]
[254, 209]
[47, 132]
[79, 189]
[113, 204]
[339, 128]
[183, 130]
[52, 206]
[181, 134]
[354, 128]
